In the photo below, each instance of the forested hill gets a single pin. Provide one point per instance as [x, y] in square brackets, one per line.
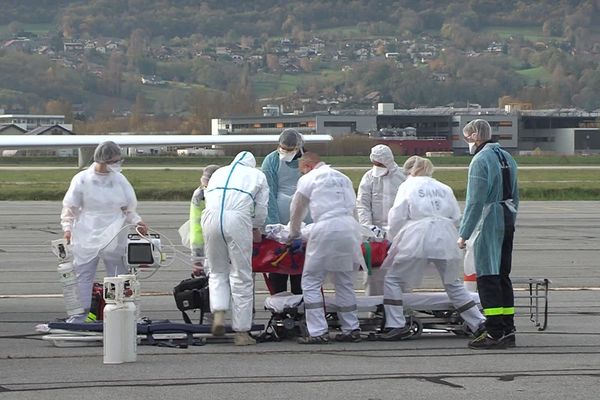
[188, 59]
[218, 18]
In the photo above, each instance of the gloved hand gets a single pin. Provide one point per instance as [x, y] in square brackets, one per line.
[295, 245]
[198, 268]
[378, 232]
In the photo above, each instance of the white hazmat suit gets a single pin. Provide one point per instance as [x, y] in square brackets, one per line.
[333, 244]
[376, 194]
[235, 202]
[423, 223]
[95, 209]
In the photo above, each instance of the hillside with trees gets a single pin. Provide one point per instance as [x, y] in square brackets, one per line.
[174, 64]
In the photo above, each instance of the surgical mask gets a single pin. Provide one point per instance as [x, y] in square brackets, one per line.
[286, 156]
[378, 172]
[115, 167]
[472, 147]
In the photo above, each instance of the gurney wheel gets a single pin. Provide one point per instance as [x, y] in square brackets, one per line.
[416, 327]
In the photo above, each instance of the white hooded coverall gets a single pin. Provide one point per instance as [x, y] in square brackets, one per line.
[423, 223]
[333, 244]
[235, 202]
[95, 209]
[373, 202]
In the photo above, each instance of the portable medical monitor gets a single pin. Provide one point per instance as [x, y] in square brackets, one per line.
[139, 253]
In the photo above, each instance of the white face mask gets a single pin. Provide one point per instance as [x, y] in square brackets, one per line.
[472, 147]
[378, 172]
[116, 167]
[286, 156]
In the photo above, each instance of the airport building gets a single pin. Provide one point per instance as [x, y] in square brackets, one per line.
[31, 121]
[273, 121]
[422, 130]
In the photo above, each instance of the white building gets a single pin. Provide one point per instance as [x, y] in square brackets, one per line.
[32, 121]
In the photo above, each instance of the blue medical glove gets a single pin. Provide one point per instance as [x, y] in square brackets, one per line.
[295, 245]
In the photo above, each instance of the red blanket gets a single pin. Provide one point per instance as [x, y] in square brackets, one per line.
[272, 256]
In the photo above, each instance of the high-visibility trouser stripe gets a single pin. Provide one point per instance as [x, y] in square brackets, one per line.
[493, 312]
[466, 307]
[392, 302]
[351, 308]
[508, 311]
[91, 317]
[313, 306]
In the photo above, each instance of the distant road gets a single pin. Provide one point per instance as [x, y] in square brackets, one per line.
[365, 167]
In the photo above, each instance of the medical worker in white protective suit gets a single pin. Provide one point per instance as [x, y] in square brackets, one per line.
[235, 208]
[376, 193]
[97, 206]
[333, 246]
[423, 224]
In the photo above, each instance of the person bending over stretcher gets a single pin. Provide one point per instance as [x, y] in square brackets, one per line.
[333, 246]
[423, 223]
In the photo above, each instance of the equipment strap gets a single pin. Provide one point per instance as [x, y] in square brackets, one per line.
[368, 258]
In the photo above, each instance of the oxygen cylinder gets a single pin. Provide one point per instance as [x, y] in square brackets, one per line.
[120, 333]
[120, 327]
[68, 280]
[132, 287]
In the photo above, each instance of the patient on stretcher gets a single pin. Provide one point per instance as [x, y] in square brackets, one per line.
[428, 309]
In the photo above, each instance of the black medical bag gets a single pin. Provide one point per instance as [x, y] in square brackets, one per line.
[192, 294]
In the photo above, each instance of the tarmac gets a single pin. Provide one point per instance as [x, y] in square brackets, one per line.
[558, 241]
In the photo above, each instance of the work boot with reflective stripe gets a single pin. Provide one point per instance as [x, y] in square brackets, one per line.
[510, 339]
[486, 342]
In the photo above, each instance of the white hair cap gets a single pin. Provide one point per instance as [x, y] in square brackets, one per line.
[207, 173]
[291, 138]
[106, 151]
[481, 127]
[418, 166]
[383, 154]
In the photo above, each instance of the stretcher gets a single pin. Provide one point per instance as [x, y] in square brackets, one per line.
[423, 310]
[161, 333]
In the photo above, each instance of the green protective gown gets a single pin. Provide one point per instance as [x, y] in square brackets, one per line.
[483, 218]
[282, 178]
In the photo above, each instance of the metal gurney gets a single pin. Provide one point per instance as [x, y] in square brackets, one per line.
[424, 310]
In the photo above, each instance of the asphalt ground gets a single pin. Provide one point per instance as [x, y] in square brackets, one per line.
[555, 240]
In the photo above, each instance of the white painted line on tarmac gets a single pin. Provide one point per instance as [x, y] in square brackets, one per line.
[264, 292]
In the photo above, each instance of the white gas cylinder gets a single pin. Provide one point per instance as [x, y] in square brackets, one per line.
[68, 281]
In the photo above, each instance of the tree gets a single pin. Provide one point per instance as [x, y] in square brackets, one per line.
[138, 43]
[138, 113]
[272, 62]
[114, 73]
[60, 107]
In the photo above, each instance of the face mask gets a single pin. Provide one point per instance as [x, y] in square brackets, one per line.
[378, 172]
[286, 156]
[472, 148]
[116, 167]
